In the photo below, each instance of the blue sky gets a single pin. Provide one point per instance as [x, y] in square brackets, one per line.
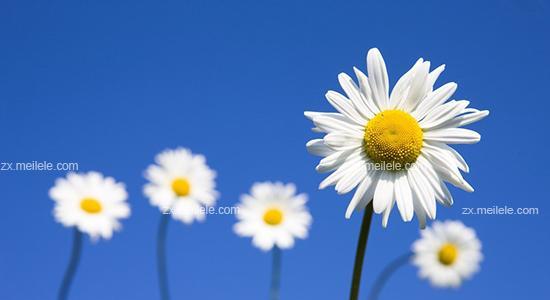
[109, 84]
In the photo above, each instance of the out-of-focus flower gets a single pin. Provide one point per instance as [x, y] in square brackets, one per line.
[180, 183]
[91, 202]
[273, 215]
[447, 253]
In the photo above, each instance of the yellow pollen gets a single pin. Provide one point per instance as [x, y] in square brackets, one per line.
[447, 254]
[393, 137]
[181, 187]
[91, 205]
[273, 216]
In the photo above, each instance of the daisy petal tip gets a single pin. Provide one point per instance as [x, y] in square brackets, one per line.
[349, 213]
[484, 113]
[378, 206]
[309, 114]
[343, 76]
[373, 51]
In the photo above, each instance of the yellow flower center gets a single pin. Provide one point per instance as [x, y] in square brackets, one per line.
[393, 137]
[273, 216]
[447, 254]
[181, 187]
[91, 205]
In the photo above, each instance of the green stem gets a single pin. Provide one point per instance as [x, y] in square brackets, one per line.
[386, 274]
[275, 274]
[73, 264]
[161, 257]
[360, 253]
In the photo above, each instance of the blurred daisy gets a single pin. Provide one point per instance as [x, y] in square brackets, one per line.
[181, 184]
[90, 202]
[393, 146]
[447, 253]
[273, 215]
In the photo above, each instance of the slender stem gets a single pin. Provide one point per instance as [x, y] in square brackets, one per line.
[161, 257]
[276, 274]
[360, 253]
[386, 274]
[73, 264]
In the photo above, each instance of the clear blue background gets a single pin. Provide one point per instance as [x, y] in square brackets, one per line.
[109, 84]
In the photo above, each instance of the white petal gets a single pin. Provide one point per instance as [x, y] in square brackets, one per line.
[387, 211]
[342, 141]
[403, 197]
[458, 182]
[317, 147]
[443, 113]
[369, 193]
[431, 177]
[378, 78]
[418, 87]
[364, 190]
[336, 122]
[345, 107]
[459, 160]
[420, 213]
[383, 196]
[354, 94]
[263, 242]
[434, 99]
[471, 115]
[445, 165]
[351, 179]
[401, 88]
[334, 160]
[432, 77]
[422, 191]
[452, 136]
[366, 91]
[354, 158]
[446, 198]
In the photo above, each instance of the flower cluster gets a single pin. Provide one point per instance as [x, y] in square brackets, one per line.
[391, 147]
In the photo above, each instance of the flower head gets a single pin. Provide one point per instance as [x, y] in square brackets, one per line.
[180, 183]
[393, 146]
[273, 215]
[91, 202]
[447, 253]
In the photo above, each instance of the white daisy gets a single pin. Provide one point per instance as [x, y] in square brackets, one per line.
[91, 202]
[393, 147]
[181, 184]
[447, 253]
[273, 215]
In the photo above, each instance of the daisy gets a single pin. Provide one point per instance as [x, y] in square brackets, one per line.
[273, 215]
[394, 146]
[447, 253]
[181, 184]
[90, 202]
